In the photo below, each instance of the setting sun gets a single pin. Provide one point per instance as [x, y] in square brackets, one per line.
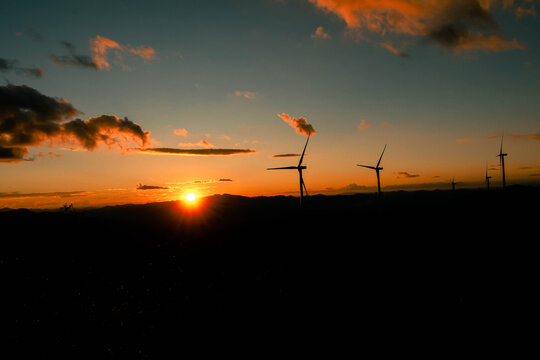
[191, 197]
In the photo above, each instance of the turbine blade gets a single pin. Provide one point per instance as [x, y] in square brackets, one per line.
[381, 156]
[284, 168]
[305, 188]
[302, 157]
[367, 166]
[502, 138]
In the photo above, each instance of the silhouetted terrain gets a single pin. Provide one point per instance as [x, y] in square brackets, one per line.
[435, 265]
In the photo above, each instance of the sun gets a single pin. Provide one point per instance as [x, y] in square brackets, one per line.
[191, 197]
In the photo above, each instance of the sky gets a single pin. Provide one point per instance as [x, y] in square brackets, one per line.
[111, 102]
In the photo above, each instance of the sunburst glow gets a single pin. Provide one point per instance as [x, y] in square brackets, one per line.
[191, 197]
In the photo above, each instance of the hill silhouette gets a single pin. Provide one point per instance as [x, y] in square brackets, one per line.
[134, 276]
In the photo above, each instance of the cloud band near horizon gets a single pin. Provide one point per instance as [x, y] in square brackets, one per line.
[193, 152]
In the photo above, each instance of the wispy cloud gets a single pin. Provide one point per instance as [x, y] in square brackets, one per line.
[404, 174]
[245, 94]
[100, 46]
[73, 59]
[363, 125]
[13, 65]
[394, 50]
[320, 34]
[300, 125]
[64, 194]
[29, 118]
[202, 143]
[196, 152]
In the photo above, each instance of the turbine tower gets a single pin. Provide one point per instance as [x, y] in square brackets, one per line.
[453, 184]
[487, 176]
[299, 168]
[501, 156]
[377, 170]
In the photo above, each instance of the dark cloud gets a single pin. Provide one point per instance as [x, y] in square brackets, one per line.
[284, 155]
[73, 59]
[466, 24]
[29, 118]
[150, 187]
[12, 65]
[406, 174]
[199, 152]
[225, 180]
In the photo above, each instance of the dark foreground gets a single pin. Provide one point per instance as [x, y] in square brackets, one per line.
[420, 270]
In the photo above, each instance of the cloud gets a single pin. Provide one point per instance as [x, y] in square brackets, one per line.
[225, 180]
[363, 125]
[393, 50]
[181, 132]
[517, 136]
[150, 187]
[145, 52]
[245, 94]
[29, 118]
[12, 65]
[300, 125]
[284, 155]
[100, 46]
[521, 11]
[404, 174]
[454, 24]
[73, 59]
[202, 143]
[44, 194]
[320, 34]
[197, 152]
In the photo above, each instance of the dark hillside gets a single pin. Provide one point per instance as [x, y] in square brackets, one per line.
[343, 268]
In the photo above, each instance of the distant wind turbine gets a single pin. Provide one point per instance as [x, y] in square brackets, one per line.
[377, 170]
[453, 184]
[299, 168]
[501, 155]
[487, 176]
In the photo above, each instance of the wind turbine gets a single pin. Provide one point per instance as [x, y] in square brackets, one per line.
[299, 168]
[487, 176]
[453, 184]
[501, 155]
[377, 170]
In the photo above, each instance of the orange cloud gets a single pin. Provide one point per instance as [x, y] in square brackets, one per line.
[202, 143]
[393, 50]
[300, 125]
[145, 52]
[100, 46]
[363, 125]
[181, 132]
[449, 23]
[245, 94]
[320, 34]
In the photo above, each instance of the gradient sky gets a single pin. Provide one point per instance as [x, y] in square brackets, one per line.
[438, 81]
